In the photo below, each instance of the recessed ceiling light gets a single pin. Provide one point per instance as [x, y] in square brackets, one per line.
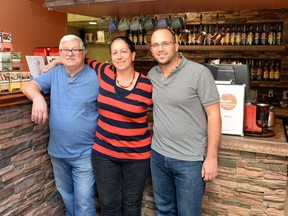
[92, 23]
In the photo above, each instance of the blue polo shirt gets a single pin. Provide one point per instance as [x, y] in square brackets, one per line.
[73, 110]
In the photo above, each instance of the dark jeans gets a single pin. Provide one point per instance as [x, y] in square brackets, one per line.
[120, 185]
[177, 185]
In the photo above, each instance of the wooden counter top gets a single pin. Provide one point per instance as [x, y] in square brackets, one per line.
[10, 99]
[15, 98]
[275, 145]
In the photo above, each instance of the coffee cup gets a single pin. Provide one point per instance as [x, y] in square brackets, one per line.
[149, 23]
[124, 24]
[135, 24]
[112, 26]
[177, 22]
[163, 22]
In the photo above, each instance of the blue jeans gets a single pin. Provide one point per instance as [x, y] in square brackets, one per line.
[75, 182]
[177, 185]
[120, 185]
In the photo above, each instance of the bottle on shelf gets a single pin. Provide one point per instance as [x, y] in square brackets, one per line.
[130, 35]
[208, 40]
[277, 72]
[177, 36]
[140, 38]
[233, 36]
[271, 71]
[259, 73]
[244, 36]
[279, 34]
[190, 36]
[238, 36]
[264, 35]
[257, 36]
[252, 70]
[265, 71]
[250, 36]
[271, 38]
[223, 39]
[228, 36]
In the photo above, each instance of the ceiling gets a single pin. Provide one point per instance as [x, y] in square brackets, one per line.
[119, 8]
[102, 10]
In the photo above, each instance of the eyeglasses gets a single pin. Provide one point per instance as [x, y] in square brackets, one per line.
[164, 44]
[73, 51]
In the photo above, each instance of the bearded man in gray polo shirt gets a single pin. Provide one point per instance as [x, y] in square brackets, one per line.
[186, 131]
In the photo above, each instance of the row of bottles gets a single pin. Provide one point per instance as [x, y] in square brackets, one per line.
[248, 34]
[266, 70]
[138, 37]
[260, 69]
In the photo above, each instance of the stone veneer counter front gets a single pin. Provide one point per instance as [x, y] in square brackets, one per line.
[252, 178]
[252, 172]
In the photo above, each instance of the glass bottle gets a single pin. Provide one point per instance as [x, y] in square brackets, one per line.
[130, 35]
[271, 36]
[140, 38]
[177, 36]
[208, 36]
[228, 36]
[223, 39]
[238, 36]
[271, 71]
[252, 70]
[265, 71]
[257, 36]
[277, 72]
[250, 36]
[244, 36]
[264, 35]
[259, 73]
[279, 34]
[190, 36]
[233, 36]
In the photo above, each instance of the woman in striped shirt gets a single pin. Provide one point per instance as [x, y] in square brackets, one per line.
[121, 151]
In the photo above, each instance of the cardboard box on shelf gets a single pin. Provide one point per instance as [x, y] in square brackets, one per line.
[5, 37]
[4, 81]
[15, 78]
[6, 47]
[25, 76]
[5, 66]
[16, 57]
[5, 56]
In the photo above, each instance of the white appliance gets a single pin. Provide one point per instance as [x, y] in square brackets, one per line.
[232, 101]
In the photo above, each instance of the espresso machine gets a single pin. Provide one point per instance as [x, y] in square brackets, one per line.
[256, 118]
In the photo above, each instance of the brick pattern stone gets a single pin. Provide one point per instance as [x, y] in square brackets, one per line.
[26, 179]
[248, 184]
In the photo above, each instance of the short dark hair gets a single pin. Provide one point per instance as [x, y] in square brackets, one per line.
[130, 44]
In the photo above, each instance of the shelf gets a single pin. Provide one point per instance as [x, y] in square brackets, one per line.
[14, 98]
[268, 84]
[254, 48]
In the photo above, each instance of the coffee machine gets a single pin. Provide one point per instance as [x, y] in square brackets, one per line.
[256, 118]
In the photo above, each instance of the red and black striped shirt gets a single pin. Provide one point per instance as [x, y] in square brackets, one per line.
[122, 131]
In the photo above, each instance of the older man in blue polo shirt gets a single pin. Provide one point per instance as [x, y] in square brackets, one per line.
[73, 89]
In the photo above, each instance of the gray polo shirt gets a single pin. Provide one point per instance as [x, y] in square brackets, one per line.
[180, 123]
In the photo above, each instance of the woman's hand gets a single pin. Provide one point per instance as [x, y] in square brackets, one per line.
[52, 64]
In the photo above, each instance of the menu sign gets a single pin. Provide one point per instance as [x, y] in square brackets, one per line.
[232, 99]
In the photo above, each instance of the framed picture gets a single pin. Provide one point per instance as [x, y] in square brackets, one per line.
[36, 65]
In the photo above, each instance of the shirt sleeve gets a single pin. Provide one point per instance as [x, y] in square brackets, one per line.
[45, 80]
[206, 88]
